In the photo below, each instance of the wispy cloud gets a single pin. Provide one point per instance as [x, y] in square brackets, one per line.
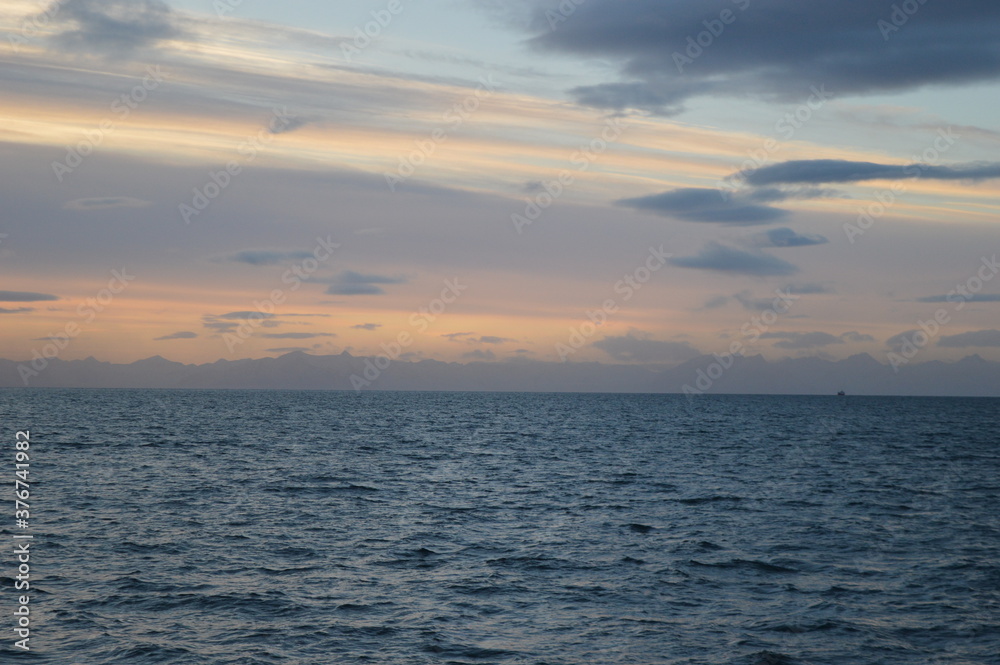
[785, 237]
[695, 204]
[980, 338]
[177, 335]
[972, 297]
[821, 171]
[810, 340]
[720, 258]
[639, 347]
[296, 335]
[350, 283]
[25, 296]
[267, 257]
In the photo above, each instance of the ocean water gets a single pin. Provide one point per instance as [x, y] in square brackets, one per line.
[265, 527]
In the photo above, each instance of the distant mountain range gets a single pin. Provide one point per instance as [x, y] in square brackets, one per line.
[857, 375]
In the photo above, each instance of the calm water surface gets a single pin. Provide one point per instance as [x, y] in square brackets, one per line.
[266, 527]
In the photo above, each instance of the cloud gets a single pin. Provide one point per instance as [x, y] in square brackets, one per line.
[727, 259]
[774, 49]
[810, 340]
[638, 347]
[454, 337]
[895, 343]
[820, 171]
[808, 289]
[972, 297]
[106, 203]
[493, 339]
[975, 338]
[242, 316]
[177, 335]
[266, 257]
[25, 296]
[286, 124]
[785, 237]
[480, 354]
[698, 204]
[112, 27]
[367, 326]
[296, 335]
[350, 283]
[288, 349]
[230, 321]
[716, 302]
[19, 310]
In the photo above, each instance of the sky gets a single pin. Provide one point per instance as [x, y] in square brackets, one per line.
[623, 181]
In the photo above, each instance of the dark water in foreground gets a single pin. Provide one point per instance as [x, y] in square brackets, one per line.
[308, 527]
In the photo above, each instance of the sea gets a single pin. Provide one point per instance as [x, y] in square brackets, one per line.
[406, 528]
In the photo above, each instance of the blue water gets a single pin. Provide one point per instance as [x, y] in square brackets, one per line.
[447, 528]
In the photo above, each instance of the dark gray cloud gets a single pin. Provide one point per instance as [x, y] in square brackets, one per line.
[809, 340]
[982, 338]
[350, 283]
[19, 310]
[112, 27]
[972, 297]
[698, 204]
[25, 296]
[638, 347]
[785, 237]
[267, 257]
[367, 326]
[720, 258]
[820, 171]
[177, 335]
[775, 49]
